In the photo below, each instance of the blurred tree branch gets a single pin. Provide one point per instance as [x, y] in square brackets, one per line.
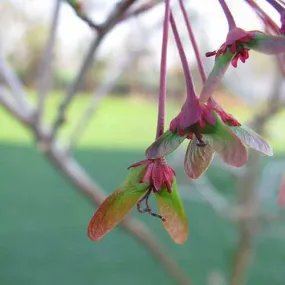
[248, 189]
[45, 69]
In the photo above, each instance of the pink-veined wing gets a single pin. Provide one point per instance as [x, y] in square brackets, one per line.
[171, 208]
[116, 206]
[197, 158]
[229, 147]
[252, 139]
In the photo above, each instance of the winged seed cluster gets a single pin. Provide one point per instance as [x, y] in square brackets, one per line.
[202, 121]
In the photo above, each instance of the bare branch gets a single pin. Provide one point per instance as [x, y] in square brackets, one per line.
[78, 8]
[74, 86]
[14, 83]
[105, 88]
[45, 70]
[112, 20]
[13, 108]
[116, 15]
[141, 9]
[248, 191]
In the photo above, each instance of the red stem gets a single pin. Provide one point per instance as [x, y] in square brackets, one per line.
[279, 8]
[189, 83]
[264, 17]
[162, 89]
[193, 41]
[228, 14]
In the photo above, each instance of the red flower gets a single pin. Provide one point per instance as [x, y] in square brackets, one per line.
[234, 43]
[158, 173]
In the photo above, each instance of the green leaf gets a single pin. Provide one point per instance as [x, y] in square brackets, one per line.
[212, 83]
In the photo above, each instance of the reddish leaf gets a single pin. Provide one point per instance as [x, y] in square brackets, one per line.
[197, 159]
[171, 208]
[115, 207]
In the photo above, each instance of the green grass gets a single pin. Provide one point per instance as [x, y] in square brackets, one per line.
[43, 231]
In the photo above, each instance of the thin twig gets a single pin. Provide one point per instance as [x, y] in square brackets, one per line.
[75, 85]
[248, 192]
[162, 82]
[14, 83]
[279, 8]
[78, 8]
[142, 9]
[45, 70]
[105, 88]
[112, 20]
[193, 41]
[188, 78]
[263, 16]
[228, 14]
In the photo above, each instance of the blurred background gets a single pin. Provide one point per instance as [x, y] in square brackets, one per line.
[237, 230]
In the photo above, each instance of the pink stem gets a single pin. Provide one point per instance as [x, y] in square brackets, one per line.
[264, 17]
[195, 47]
[193, 41]
[162, 89]
[187, 74]
[279, 8]
[228, 14]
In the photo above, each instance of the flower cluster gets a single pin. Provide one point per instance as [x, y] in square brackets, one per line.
[202, 121]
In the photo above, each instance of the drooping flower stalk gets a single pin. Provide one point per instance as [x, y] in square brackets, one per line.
[201, 68]
[263, 15]
[281, 10]
[184, 62]
[162, 86]
[191, 111]
[228, 14]
[193, 41]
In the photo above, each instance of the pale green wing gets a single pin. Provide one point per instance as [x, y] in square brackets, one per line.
[164, 145]
[115, 207]
[171, 208]
[252, 139]
[213, 81]
[197, 158]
